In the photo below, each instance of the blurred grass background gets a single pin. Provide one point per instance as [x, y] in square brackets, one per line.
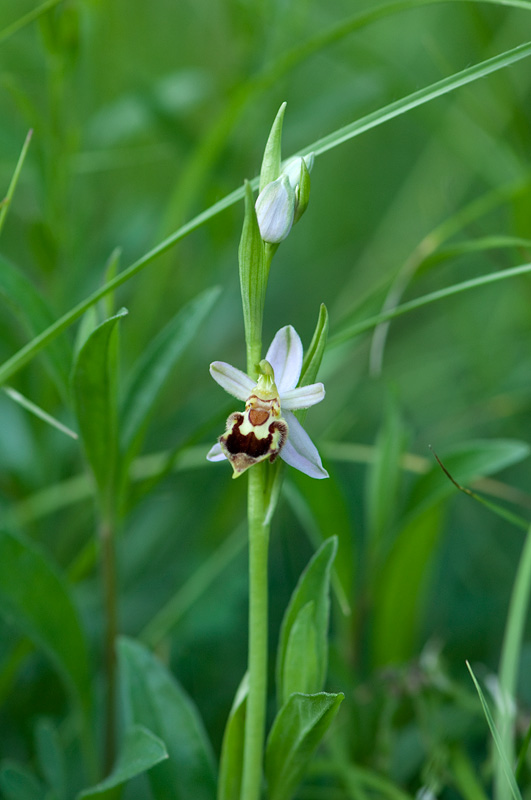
[144, 114]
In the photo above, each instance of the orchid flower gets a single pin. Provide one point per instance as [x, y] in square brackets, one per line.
[268, 428]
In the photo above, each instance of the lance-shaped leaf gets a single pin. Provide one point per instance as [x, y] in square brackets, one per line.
[296, 733]
[315, 352]
[31, 308]
[270, 169]
[313, 587]
[253, 272]
[141, 750]
[35, 597]
[94, 394]
[231, 763]
[51, 757]
[153, 369]
[152, 697]
[301, 664]
[18, 783]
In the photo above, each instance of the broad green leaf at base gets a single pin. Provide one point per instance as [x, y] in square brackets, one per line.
[140, 751]
[152, 697]
[296, 733]
[230, 768]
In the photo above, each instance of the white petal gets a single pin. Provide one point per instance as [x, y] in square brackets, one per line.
[300, 452]
[215, 453]
[302, 397]
[233, 380]
[285, 356]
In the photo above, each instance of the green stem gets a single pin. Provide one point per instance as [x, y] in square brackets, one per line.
[108, 566]
[256, 702]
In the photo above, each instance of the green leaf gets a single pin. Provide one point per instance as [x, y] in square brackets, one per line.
[152, 697]
[313, 587]
[315, 352]
[311, 506]
[141, 750]
[500, 748]
[31, 308]
[18, 783]
[253, 280]
[296, 733]
[94, 393]
[384, 475]
[231, 763]
[51, 757]
[35, 597]
[403, 576]
[272, 153]
[303, 192]
[154, 368]
[301, 665]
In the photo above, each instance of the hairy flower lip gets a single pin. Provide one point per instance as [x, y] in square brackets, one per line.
[285, 356]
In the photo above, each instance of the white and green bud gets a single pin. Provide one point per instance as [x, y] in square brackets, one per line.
[295, 166]
[275, 210]
[282, 202]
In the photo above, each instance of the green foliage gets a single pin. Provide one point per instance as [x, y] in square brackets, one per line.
[302, 654]
[34, 313]
[18, 783]
[254, 269]
[141, 750]
[314, 354]
[94, 393]
[51, 757]
[145, 126]
[296, 733]
[153, 698]
[231, 761]
[151, 373]
[36, 598]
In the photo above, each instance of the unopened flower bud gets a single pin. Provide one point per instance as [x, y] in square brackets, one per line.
[292, 168]
[275, 210]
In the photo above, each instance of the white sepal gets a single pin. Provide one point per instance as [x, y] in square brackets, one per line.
[215, 453]
[303, 397]
[285, 356]
[300, 452]
[233, 380]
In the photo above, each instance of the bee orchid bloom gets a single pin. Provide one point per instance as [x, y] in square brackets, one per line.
[268, 428]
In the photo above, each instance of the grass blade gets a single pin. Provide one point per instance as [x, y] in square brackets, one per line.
[412, 305]
[511, 653]
[38, 412]
[504, 764]
[4, 207]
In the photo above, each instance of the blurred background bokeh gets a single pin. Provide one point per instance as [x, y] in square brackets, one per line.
[145, 114]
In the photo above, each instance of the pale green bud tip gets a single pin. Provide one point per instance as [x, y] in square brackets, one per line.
[292, 168]
[275, 209]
